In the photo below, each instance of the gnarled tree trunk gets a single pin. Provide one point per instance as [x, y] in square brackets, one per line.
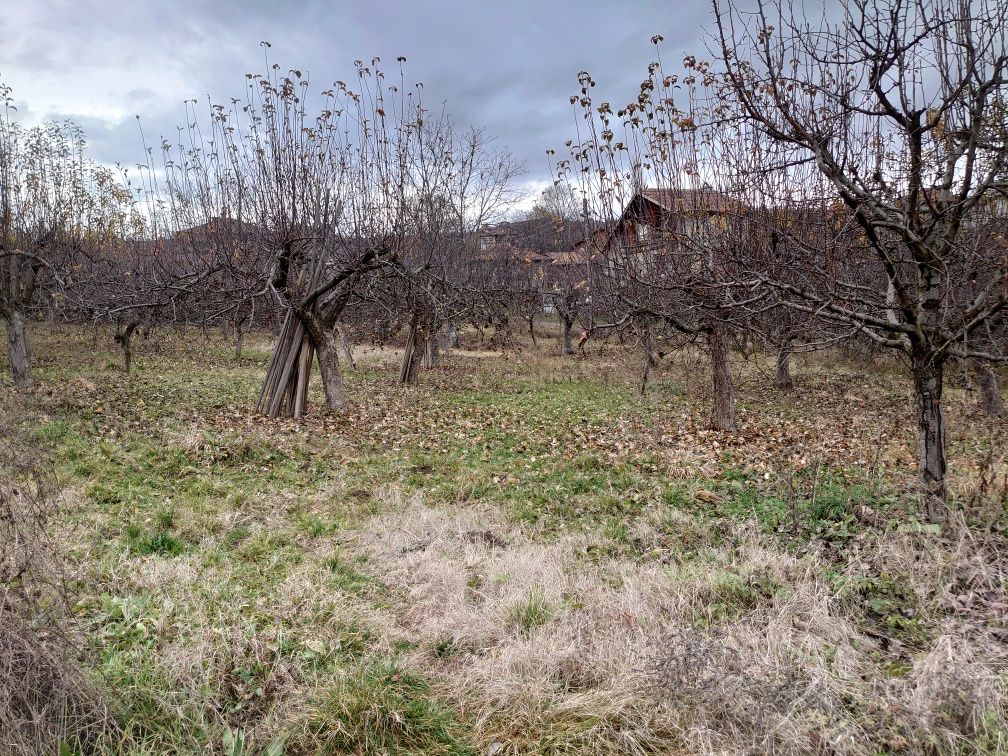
[566, 324]
[928, 383]
[315, 304]
[344, 344]
[723, 398]
[124, 338]
[332, 377]
[19, 349]
[990, 394]
[783, 378]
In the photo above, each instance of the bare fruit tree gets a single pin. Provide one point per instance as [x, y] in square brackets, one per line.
[669, 257]
[892, 116]
[353, 200]
[58, 212]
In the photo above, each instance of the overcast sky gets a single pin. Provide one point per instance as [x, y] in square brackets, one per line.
[507, 66]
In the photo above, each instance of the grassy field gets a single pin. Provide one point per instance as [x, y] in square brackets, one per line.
[522, 555]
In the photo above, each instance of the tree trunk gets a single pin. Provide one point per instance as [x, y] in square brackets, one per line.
[447, 338]
[566, 324]
[125, 340]
[432, 354]
[928, 379]
[416, 345]
[723, 407]
[531, 325]
[19, 350]
[332, 376]
[783, 378]
[345, 346]
[239, 339]
[647, 341]
[991, 400]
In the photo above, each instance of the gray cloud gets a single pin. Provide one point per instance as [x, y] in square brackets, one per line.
[507, 66]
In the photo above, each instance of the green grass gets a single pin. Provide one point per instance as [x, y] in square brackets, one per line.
[530, 612]
[203, 530]
[348, 578]
[380, 708]
[825, 506]
[733, 595]
[886, 605]
[145, 543]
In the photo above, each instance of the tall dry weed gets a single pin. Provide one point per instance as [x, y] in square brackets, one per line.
[46, 699]
[628, 655]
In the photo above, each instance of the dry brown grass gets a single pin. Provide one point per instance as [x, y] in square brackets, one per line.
[626, 657]
[632, 607]
[45, 697]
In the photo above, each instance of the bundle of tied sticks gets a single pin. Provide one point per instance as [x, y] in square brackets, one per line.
[284, 392]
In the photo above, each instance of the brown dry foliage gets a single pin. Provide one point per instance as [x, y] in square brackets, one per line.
[626, 658]
[45, 697]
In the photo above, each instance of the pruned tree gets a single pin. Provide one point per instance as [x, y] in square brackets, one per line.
[352, 201]
[458, 184]
[58, 212]
[669, 256]
[884, 119]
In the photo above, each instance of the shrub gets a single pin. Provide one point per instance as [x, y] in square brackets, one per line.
[47, 703]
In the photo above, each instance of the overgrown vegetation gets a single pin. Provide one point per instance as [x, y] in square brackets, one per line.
[48, 703]
[518, 556]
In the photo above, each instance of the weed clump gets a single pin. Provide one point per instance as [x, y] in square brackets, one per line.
[530, 612]
[380, 708]
[47, 702]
